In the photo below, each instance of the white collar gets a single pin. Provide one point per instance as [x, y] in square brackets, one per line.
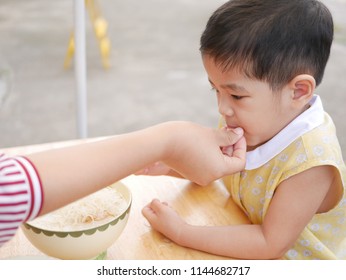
[305, 122]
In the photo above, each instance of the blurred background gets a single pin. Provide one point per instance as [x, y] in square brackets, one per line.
[155, 72]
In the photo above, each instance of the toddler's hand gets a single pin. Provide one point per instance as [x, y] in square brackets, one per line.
[164, 219]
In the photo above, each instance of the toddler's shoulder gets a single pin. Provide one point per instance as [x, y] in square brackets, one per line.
[322, 144]
[317, 147]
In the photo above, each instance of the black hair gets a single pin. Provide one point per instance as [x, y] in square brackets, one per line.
[270, 40]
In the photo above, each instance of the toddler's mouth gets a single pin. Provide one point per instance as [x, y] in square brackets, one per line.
[232, 126]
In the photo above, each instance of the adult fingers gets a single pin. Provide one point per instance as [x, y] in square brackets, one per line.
[236, 162]
[229, 136]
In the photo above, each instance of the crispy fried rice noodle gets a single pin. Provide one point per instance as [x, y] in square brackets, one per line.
[93, 210]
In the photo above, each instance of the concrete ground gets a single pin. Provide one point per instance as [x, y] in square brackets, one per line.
[156, 73]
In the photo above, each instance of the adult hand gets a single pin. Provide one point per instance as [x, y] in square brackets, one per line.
[203, 154]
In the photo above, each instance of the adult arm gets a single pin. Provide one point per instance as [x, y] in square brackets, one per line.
[73, 172]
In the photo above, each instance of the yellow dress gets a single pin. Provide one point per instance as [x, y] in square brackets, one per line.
[287, 155]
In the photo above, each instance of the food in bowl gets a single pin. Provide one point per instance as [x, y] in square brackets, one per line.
[89, 212]
[83, 229]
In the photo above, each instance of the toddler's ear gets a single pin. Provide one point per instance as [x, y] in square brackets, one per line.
[303, 87]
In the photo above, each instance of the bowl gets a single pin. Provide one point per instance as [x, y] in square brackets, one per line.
[91, 242]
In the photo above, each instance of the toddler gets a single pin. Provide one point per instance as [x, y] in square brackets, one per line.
[264, 60]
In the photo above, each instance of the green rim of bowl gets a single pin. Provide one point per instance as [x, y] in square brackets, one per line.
[79, 232]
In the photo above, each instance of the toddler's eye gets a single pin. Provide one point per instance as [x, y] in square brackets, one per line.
[236, 97]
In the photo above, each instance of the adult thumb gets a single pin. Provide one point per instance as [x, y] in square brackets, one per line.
[230, 136]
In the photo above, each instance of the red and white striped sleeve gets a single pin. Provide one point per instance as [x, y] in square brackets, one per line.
[21, 194]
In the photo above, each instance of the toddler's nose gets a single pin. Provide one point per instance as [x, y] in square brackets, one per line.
[225, 108]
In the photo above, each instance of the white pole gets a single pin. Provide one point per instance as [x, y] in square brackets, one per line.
[80, 68]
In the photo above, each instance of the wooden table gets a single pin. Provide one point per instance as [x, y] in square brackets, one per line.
[210, 205]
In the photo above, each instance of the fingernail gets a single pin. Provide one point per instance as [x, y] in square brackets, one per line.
[238, 130]
[227, 150]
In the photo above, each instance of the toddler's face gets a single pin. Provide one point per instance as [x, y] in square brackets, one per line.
[250, 104]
